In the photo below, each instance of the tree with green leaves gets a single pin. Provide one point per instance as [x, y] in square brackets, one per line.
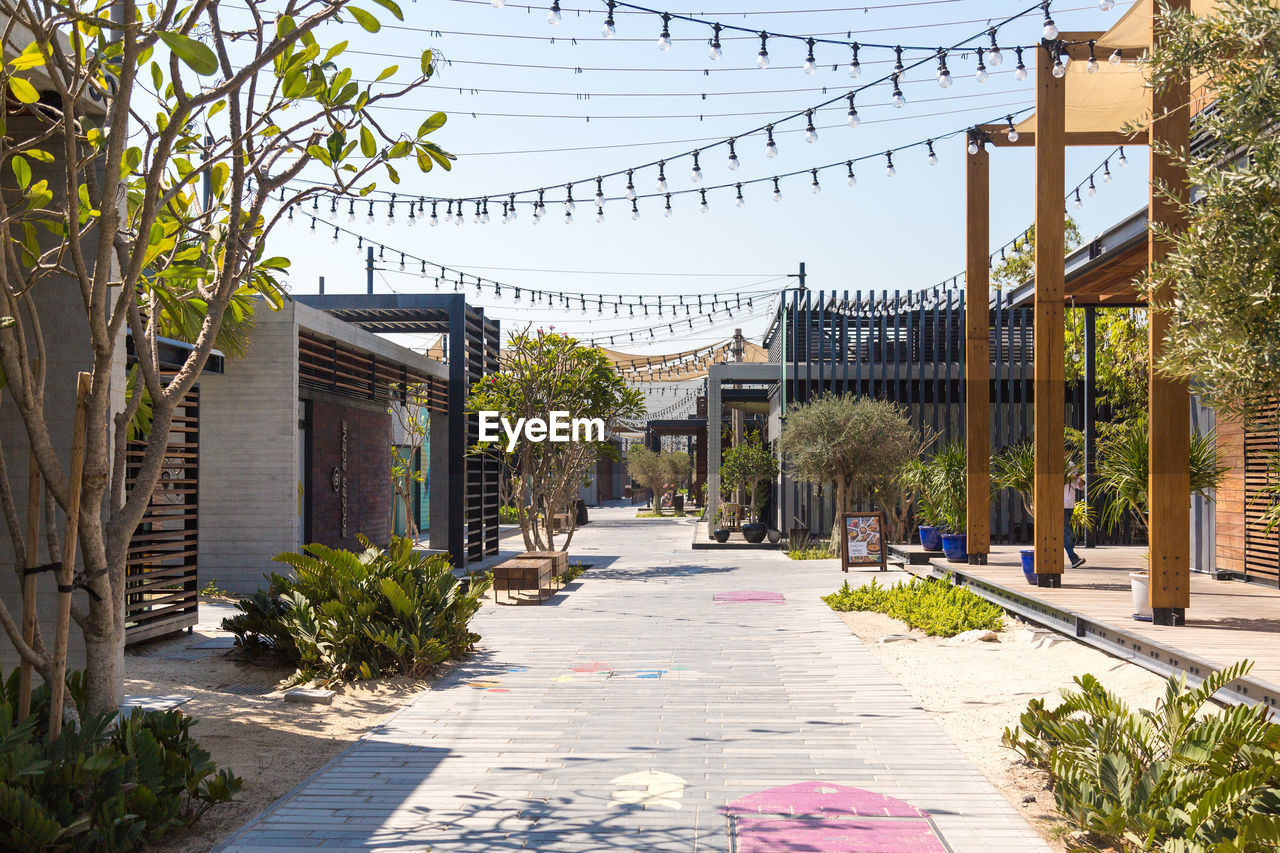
[1224, 266]
[854, 444]
[115, 115]
[544, 372]
[1019, 264]
[749, 466]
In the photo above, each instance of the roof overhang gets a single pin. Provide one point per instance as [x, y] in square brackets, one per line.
[1103, 272]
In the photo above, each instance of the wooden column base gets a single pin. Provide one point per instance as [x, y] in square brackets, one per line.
[1171, 616]
[1049, 581]
[977, 559]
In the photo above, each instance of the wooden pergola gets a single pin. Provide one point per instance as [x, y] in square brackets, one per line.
[1084, 108]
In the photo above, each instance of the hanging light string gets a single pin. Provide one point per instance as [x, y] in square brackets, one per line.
[649, 364]
[458, 210]
[894, 79]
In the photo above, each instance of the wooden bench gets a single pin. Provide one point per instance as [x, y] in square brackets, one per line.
[560, 522]
[559, 566]
[524, 580]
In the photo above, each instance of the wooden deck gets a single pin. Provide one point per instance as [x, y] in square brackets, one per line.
[1227, 621]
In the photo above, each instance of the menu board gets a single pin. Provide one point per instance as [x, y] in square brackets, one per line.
[863, 541]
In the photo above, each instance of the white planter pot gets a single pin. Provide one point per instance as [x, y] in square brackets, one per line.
[1141, 583]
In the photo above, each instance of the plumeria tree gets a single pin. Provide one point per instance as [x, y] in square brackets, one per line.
[147, 152]
[544, 372]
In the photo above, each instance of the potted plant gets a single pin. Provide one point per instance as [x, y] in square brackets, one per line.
[752, 467]
[1122, 475]
[720, 533]
[947, 485]
[917, 477]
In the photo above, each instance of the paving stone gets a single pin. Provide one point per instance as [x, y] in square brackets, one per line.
[637, 710]
[310, 696]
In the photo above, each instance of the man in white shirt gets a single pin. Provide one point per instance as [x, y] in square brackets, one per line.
[1074, 483]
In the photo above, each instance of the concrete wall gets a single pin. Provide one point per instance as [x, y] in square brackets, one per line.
[249, 478]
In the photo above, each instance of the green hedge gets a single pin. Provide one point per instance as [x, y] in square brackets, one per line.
[103, 787]
[343, 615]
[936, 607]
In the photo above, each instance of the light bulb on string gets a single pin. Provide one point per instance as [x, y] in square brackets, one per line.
[695, 174]
[553, 14]
[933, 155]
[369, 218]
[944, 73]
[762, 58]
[448, 211]
[777, 191]
[1106, 171]
[810, 64]
[770, 147]
[599, 213]
[810, 132]
[391, 211]
[402, 261]
[1078, 202]
[335, 235]
[631, 187]
[1093, 66]
[739, 201]
[855, 67]
[569, 206]
[1059, 67]
[815, 187]
[476, 217]
[666, 211]
[1093, 188]
[459, 217]
[664, 39]
[635, 209]
[609, 30]
[853, 120]
[853, 179]
[662, 176]
[484, 212]
[981, 74]
[1116, 57]
[1019, 70]
[1012, 133]
[1124, 161]
[498, 4]
[715, 52]
[1050, 31]
[506, 213]
[1106, 5]
[994, 57]
[899, 100]
[512, 214]
[889, 169]
[703, 208]
[734, 163]
[599, 191]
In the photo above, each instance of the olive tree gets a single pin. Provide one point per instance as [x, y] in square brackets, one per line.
[854, 444]
[116, 113]
[749, 465]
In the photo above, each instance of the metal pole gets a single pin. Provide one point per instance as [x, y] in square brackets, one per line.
[368, 270]
[1090, 413]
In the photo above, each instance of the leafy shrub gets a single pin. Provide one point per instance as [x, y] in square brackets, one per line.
[508, 515]
[344, 615]
[810, 549]
[100, 788]
[1172, 779]
[936, 607]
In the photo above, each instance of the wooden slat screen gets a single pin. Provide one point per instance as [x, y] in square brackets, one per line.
[327, 365]
[160, 571]
[1261, 549]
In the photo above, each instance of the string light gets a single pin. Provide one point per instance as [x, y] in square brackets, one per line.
[933, 156]
[1078, 202]
[816, 187]
[1019, 70]
[810, 64]
[600, 190]
[1116, 57]
[853, 179]
[777, 191]
[1106, 5]
[1124, 161]
[994, 57]
[703, 207]
[770, 147]
[1059, 67]
[1012, 133]
[662, 176]
[1050, 28]
[734, 163]
[667, 210]
[553, 15]
[695, 174]
[631, 187]
[944, 74]
[1092, 67]
[740, 201]
[855, 67]
[609, 30]
[853, 120]
[715, 52]
[762, 58]
[889, 170]
[635, 211]
[599, 213]
[664, 40]
[810, 132]
[981, 74]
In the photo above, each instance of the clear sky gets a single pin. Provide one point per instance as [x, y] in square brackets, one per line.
[518, 118]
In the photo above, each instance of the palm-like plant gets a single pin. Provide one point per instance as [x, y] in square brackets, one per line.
[1124, 464]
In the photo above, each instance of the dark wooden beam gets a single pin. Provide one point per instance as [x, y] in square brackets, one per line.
[1169, 412]
[1050, 273]
[977, 380]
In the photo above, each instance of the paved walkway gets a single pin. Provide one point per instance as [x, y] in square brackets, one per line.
[670, 700]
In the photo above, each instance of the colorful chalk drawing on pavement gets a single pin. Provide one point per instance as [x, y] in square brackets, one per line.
[602, 672]
[494, 685]
[648, 788]
[810, 816]
[749, 596]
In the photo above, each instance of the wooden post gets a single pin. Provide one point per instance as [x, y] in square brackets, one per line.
[1050, 271]
[66, 574]
[29, 587]
[1169, 412]
[977, 380]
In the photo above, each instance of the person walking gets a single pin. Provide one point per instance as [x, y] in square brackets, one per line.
[1074, 483]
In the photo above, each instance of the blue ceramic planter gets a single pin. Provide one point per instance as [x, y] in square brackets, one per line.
[955, 545]
[931, 538]
[1029, 566]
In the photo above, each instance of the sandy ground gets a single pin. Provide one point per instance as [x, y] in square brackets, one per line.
[270, 744]
[955, 684]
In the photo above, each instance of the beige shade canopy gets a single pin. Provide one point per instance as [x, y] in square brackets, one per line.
[1133, 30]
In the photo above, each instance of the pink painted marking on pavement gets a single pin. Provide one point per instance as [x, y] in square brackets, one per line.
[835, 835]
[593, 667]
[822, 798]
[749, 595]
[819, 817]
